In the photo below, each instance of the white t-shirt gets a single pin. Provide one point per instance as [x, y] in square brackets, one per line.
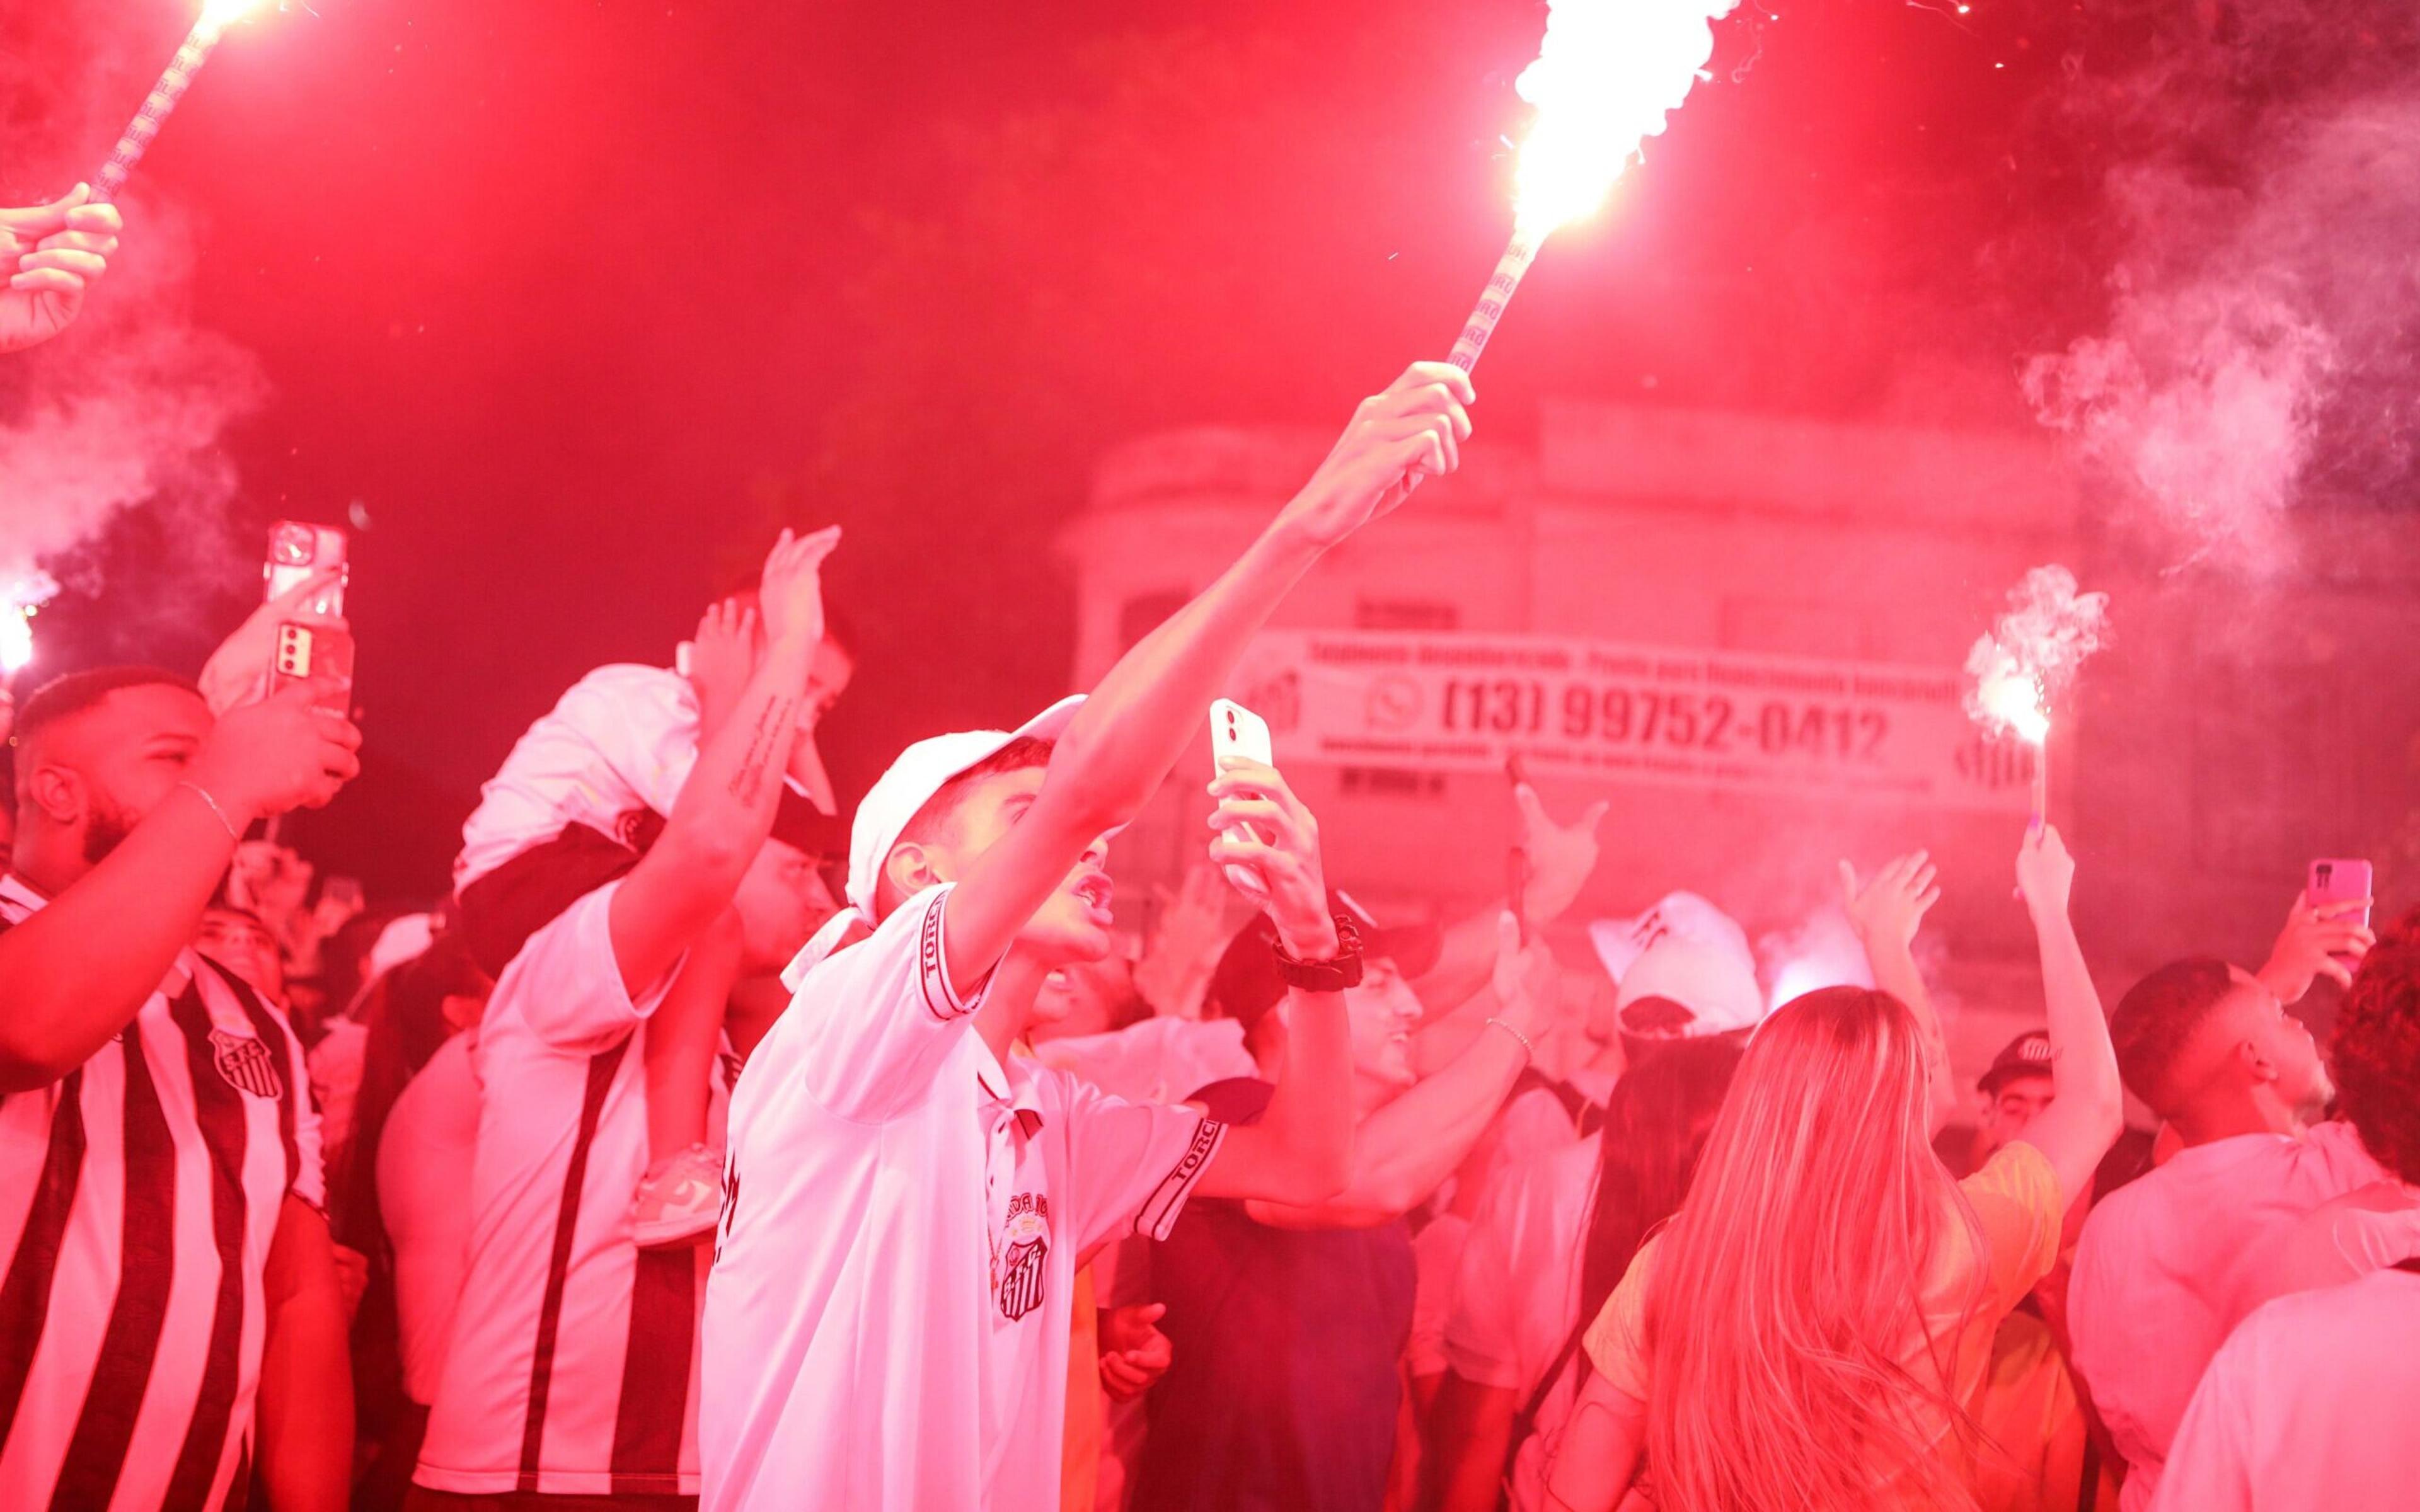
[2168, 1265]
[620, 743]
[431, 1138]
[139, 1199]
[1520, 1296]
[887, 1323]
[2308, 1407]
[572, 1365]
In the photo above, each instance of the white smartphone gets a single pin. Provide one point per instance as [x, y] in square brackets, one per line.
[1236, 731]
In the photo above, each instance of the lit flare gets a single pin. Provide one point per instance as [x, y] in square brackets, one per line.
[19, 602]
[1607, 75]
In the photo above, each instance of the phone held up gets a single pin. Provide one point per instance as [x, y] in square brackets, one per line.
[1236, 731]
[2339, 882]
[316, 643]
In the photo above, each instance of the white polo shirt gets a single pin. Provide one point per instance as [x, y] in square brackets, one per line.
[2307, 1408]
[887, 1322]
[2169, 1264]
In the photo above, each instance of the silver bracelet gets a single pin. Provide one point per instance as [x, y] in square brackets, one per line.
[234, 834]
[1526, 1048]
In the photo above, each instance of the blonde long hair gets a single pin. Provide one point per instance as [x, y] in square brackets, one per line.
[1788, 1288]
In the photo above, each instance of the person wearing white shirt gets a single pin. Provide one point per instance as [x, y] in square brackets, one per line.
[569, 1371]
[2168, 1265]
[887, 1319]
[2307, 1407]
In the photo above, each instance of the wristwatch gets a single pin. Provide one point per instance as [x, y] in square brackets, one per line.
[1330, 976]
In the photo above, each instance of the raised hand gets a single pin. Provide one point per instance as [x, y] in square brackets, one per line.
[792, 589]
[722, 658]
[1887, 910]
[285, 753]
[1414, 428]
[1527, 982]
[52, 254]
[238, 671]
[1189, 929]
[1562, 856]
[2328, 940]
[2045, 872]
[1254, 802]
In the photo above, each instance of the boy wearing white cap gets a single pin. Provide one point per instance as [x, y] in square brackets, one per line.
[887, 1320]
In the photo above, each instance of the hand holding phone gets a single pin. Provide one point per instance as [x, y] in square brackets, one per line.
[1236, 731]
[2337, 885]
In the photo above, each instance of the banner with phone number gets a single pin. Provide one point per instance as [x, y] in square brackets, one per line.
[1718, 721]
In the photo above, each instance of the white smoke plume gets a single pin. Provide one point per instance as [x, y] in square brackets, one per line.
[126, 409]
[2260, 349]
[1821, 951]
[2033, 652]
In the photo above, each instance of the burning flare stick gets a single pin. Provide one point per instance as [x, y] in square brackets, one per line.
[217, 15]
[19, 600]
[2030, 659]
[1607, 75]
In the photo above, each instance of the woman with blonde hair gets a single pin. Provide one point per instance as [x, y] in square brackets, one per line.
[1806, 1334]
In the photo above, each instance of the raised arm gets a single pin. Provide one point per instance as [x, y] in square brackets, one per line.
[1136, 722]
[74, 973]
[1556, 861]
[1885, 913]
[1403, 1151]
[725, 809]
[1301, 1150]
[2087, 1105]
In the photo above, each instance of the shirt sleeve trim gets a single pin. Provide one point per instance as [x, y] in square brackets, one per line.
[1158, 1214]
[933, 965]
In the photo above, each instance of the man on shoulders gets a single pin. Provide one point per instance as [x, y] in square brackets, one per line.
[569, 1371]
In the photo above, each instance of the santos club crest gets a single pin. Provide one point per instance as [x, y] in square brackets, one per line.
[1017, 1261]
[246, 1064]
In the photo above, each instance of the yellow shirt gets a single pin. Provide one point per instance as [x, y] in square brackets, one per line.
[2015, 1198]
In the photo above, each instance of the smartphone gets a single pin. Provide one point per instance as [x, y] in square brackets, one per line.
[297, 551]
[307, 651]
[1236, 731]
[2339, 882]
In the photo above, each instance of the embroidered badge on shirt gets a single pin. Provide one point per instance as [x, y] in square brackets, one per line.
[1017, 1267]
[246, 1064]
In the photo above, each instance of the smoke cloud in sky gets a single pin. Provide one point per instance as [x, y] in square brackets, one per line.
[2260, 349]
[125, 410]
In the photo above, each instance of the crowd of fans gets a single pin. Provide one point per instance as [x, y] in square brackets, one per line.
[707, 1144]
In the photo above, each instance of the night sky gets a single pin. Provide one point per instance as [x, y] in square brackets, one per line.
[579, 301]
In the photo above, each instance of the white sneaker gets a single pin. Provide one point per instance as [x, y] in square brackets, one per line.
[679, 1200]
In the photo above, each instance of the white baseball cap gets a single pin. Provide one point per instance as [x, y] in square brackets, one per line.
[921, 770]
[1684, 950]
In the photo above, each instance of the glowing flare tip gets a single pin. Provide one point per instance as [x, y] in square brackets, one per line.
[218, 14]
[19, 602]
[1608, 74]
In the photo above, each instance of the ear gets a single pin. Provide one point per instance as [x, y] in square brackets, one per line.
[912, 867]
[2257, 1066]
[57, 793]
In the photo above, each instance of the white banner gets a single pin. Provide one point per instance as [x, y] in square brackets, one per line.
[1715, 720]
